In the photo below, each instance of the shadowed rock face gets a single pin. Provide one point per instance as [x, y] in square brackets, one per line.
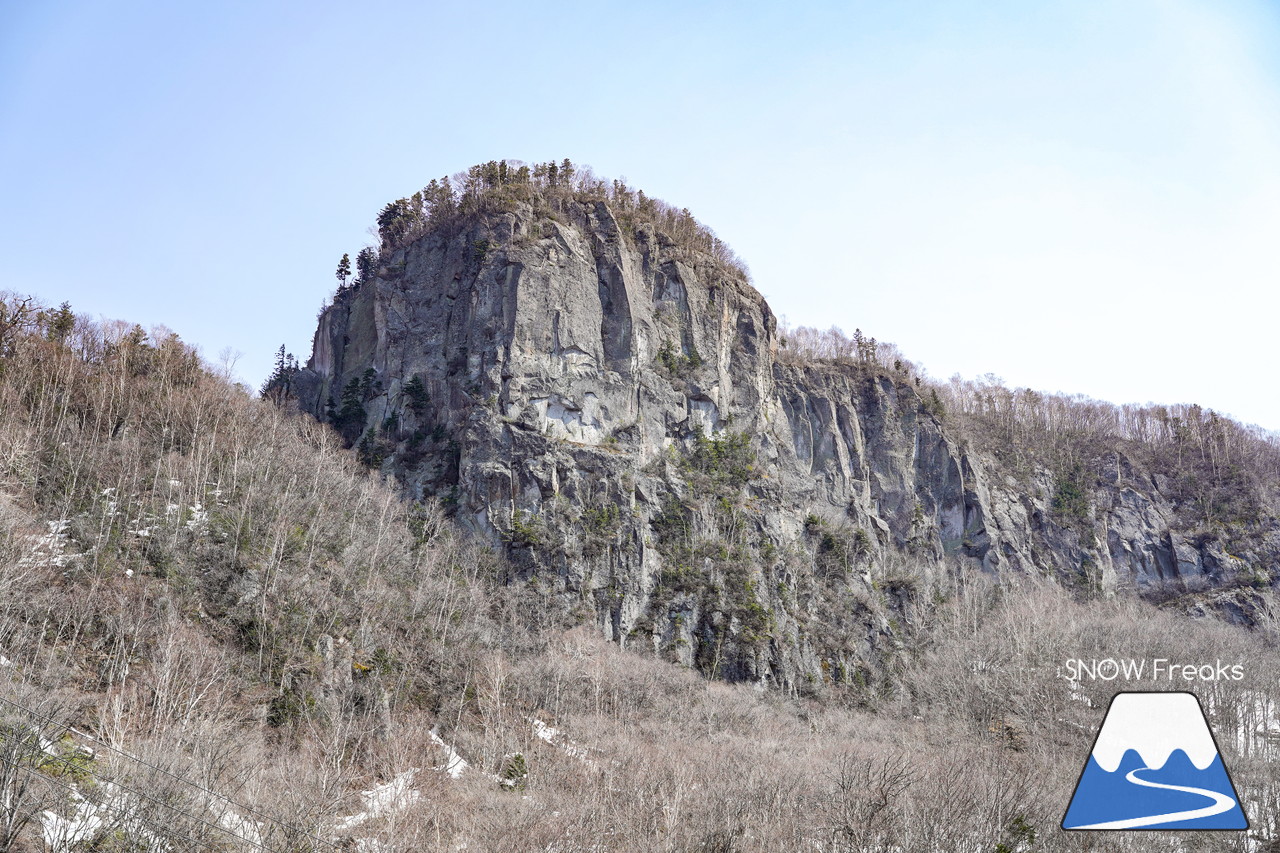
[608, 408]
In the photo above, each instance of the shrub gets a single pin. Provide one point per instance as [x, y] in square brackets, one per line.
[677, 364]
[527, 530]
[727, 459]
[514, 772]
[602, 520]
[416, 395]
[1070, 500]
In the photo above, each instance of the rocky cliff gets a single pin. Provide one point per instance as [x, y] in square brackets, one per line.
[609, 406]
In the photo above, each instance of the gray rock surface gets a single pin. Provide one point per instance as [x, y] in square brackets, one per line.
[609, 408]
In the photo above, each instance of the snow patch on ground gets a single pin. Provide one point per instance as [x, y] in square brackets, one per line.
[194, 517]
[199, 516]
[87, 820]
[1256, 718]
[385, 799]
[50, 549]
[241, 827]
[454, 764]
[399, 793]
[90, 821]
[114, 810]
[1265, 714]
[1076, 695]
[552, 736]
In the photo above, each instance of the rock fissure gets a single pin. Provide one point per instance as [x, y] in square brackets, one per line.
[612, 411]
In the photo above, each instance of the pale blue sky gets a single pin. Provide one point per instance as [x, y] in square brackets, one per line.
[1081, 197]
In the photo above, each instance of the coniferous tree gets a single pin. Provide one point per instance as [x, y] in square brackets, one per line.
[395, 220]
[416, 396]
[366, 264]
[61, 322]
[279, 384]
[344, 271]
[350, 416]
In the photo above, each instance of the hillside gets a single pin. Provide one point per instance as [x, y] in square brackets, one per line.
[594, 387]
[220, 628]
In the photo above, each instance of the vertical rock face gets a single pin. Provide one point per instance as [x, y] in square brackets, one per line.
[609, 408]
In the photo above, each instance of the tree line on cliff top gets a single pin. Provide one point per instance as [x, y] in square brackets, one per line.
[1223, 476]
[500, 185]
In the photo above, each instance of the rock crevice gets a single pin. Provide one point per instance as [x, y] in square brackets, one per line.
[610, 409]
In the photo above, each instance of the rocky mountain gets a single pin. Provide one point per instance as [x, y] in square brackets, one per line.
[616, 408]
[217, 628]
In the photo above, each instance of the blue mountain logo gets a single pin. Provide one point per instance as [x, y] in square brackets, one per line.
[1155, 765]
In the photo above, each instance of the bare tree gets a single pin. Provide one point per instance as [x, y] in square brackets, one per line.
[865, 807]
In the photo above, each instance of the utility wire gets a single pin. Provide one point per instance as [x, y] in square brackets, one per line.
[182, 779]
[125, 812]
[75, 768]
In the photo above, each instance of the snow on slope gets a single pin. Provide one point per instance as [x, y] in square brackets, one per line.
[455, 765]
[383, 800]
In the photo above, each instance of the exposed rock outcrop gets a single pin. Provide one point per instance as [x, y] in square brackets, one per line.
[610, 409]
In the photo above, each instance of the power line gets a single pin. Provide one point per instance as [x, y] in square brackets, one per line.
[170, 774]
[120, 810]
[125, 812]
[66, 761]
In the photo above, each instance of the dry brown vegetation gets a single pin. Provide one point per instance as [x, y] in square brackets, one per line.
[1222, 472]
[1222, 475]
[550, 190]
[248, 630]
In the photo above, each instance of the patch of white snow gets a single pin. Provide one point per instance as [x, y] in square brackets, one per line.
[550, 735]
[454, 764]
[49, 549]
[199, 516]
[383, 799]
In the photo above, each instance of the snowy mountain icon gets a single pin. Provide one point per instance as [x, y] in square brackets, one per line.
[1155, 765]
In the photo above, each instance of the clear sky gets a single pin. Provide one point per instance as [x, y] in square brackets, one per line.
[1076, 196]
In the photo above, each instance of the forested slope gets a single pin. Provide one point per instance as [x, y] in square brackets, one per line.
[217, 630]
